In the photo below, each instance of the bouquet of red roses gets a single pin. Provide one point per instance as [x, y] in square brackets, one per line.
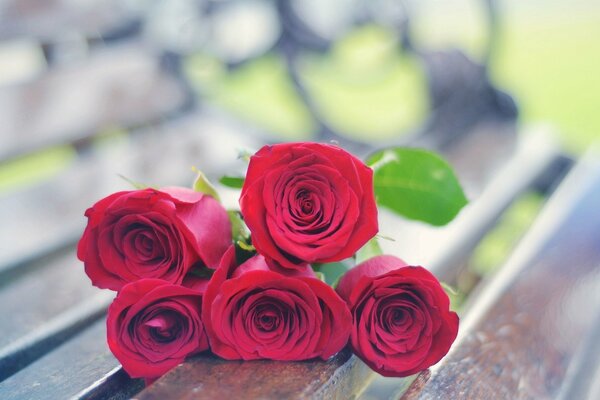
[192, 276]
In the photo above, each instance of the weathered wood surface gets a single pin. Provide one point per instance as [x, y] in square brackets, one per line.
[182, 143]
[72, 371]
[207, 377]
[532, 331]
[51, 19]
[50, 213]
[122, 86]
[44, 309]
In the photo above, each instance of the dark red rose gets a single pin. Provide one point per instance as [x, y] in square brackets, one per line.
[152, 325]
[252, 312]
[402, 318]
[308, 203]
[152, 234]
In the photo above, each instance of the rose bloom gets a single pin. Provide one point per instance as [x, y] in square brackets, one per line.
[402, 318]
[308, 203]
[252, 312]
[152, 234]
[153, 325]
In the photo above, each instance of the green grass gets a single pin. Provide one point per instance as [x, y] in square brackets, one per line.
[549, 59]
[500, 242]
[34, 167]
[364, 88]
[259, 92]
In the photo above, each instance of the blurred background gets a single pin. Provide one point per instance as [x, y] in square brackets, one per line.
[93, 91]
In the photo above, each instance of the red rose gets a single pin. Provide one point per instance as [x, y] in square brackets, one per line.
[308, 203]
[152, 234]
[402, 318]
[252, 312]
[153, 325]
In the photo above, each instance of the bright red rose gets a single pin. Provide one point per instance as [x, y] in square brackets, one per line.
[152, 234]
[252, 312]
[153, 325]
[402, 318]
[308, 203]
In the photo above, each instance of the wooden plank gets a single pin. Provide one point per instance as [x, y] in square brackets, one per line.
[45, 308]
[207, 377]
[532, 330]
[50, 213]
[120, 86]
[67, 372]
[50, 19]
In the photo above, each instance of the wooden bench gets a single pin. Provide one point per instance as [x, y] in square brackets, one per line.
[55, 346]
[526, 332]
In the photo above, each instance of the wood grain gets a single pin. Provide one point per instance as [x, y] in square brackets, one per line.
[122, 86]
[44, 309]
[526, 333]
[168, 153]
[207, 377]
[70, 370]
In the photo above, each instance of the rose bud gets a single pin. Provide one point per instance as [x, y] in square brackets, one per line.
[252, 312]
[152, 234]
[308, 203]
[153, 325]
[402, 319]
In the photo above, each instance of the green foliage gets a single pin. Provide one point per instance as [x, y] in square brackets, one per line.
[417, 184]
[239, 231]
[35, 167]
[331, 272]
[203, 185]
[366, 88]
[548, 58]
[136, 185]
[243, 252]
[235, 182]
[456, 297]
[260, 92]
[369, 250]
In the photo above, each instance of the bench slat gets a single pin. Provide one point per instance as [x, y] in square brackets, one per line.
[45, 309]
[522, 335]
[169, 152]
[207, 377]
[120, 86]
[70, 369]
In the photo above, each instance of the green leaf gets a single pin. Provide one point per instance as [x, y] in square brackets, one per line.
[239, 231]
[320, 276]
[245, 246]
[448, 289]
[203, 185]
[235, 182]
[369, 250]
[133, 183]
[417, 184]
[243, 253]
[455, 296]
[332, 272]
